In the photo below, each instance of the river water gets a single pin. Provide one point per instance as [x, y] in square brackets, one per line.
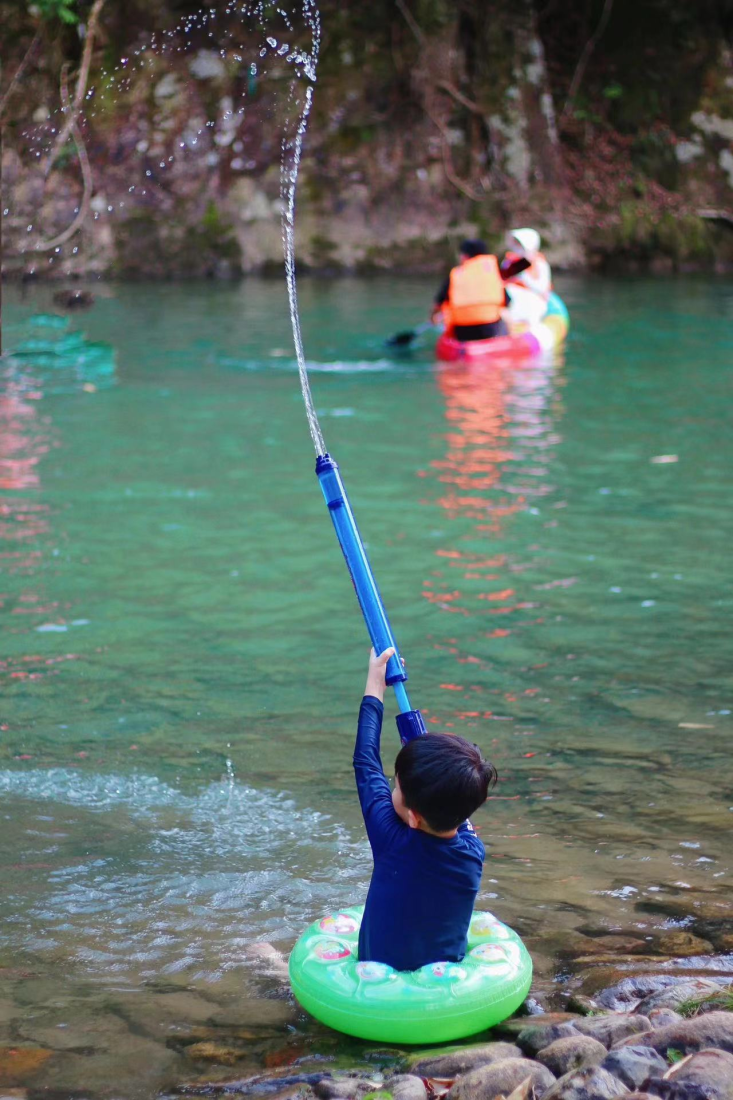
[183, 655]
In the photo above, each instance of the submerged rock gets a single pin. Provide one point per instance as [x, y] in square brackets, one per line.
[19, 1064]
[500, 1079]
[704, 1076]
[634, 1065]
[684, 944]
[688, 1036]
[611, 1029]
[74, 299]
[450, 1063]
[572, 1052]
[591, 1083]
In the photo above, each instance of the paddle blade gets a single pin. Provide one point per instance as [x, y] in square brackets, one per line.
[402, 339]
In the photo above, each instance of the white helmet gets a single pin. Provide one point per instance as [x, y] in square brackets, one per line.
[527, 240]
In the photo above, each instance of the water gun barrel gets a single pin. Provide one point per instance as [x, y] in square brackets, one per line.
[409, 722]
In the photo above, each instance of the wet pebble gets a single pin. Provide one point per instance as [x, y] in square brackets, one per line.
[572, 1052]
[634, 1065]
[705, 1076]
[591, 1083]
[714, 1029]
[501, 1078]
[611, 1029]
[462, 1059]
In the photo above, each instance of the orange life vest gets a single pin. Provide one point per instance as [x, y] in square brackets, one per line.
[537, 277]
[476, 292]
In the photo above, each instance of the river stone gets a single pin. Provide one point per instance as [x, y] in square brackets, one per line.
[501, 1078]
[628, 992]
[684, 944]
[611, 1029]
[715, 1029]
[690, 989]
[534, 1039]
[591, 1083]
[633, 1065]
[405, 1086]
[584, 1006]
[572, 1052]
[660, 1017]
[623, 945]
[705, 1076]
[346, 1088]
[515, 1024]
[450, 1063]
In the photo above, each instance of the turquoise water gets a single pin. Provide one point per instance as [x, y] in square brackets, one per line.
[183, 656]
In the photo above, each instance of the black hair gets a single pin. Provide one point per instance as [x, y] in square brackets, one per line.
[473, 248]
[443, 778]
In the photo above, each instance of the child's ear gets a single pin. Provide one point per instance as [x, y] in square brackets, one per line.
[413, 820]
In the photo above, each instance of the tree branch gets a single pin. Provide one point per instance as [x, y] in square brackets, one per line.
[411, 21]
[72, 111]
[454, 93]
[86, 175]
[585, 58]
[19, 72]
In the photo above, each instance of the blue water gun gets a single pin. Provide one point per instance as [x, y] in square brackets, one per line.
[410, 723]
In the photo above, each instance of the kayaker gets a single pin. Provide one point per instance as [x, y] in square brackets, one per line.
[473, 296]
[525, 244]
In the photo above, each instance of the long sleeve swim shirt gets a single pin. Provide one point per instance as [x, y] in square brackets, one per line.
[423, 887]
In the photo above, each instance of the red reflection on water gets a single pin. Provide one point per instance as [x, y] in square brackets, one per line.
[24, 519]
[498, 444]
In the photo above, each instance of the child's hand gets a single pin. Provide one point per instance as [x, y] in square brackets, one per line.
[376, 684]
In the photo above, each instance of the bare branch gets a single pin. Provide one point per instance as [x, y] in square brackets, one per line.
[19, 73]
[585, 57]
[410, 20]
[86, 175]
[72, 111]
[454, 93]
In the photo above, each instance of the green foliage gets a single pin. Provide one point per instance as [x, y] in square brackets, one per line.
[722, 1000]
[48, 10]
[674, 1056]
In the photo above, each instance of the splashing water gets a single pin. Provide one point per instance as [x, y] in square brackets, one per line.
[291, 154]
[303, 61]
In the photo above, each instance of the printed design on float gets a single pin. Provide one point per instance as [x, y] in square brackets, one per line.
[331, 950]
[339, 924]
[489, 953]
[375, 972]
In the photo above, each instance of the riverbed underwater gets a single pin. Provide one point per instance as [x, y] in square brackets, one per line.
[183, 654]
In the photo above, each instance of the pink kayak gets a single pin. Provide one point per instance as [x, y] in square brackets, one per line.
[525, 343]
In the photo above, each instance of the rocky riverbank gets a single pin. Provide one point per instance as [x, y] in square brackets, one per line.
[677, 1043]
[417, 137]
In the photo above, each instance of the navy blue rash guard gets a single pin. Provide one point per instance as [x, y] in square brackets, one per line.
[424, 887]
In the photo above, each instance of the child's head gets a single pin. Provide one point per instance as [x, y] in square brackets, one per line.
[440, 781]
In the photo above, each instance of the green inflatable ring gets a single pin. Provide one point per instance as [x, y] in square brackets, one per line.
[437, 1003]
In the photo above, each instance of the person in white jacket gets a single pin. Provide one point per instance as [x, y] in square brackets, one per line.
[536, 279]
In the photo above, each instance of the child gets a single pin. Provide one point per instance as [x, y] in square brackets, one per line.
[427, 858]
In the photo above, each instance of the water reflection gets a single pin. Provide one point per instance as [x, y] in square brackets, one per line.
[500, 444]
